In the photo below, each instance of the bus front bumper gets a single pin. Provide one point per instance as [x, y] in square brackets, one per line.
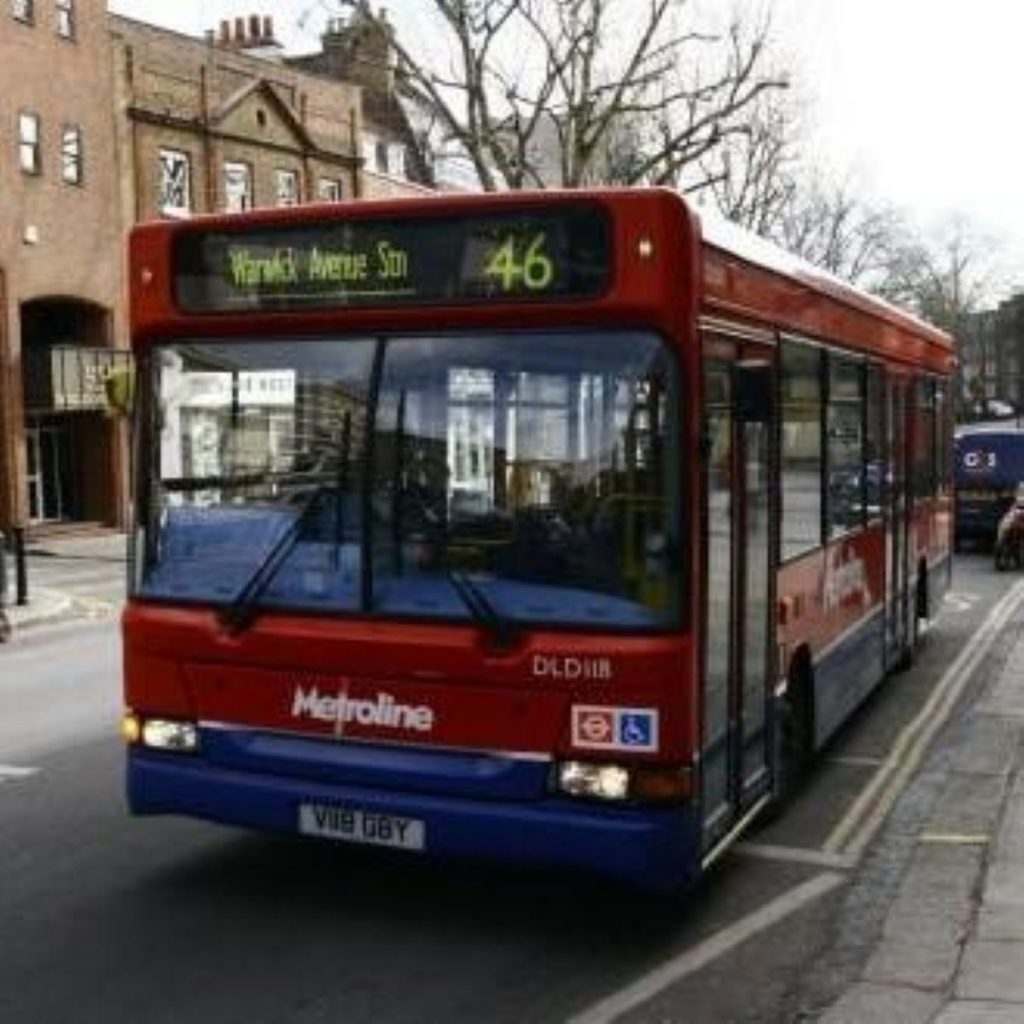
[657, 848]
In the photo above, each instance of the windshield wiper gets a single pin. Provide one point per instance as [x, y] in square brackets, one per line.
[241, 612]
[501, 629]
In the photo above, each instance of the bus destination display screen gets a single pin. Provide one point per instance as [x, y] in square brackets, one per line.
[515, 256]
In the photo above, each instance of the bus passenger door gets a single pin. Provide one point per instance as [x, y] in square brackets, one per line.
[739, 442]
[897, 512]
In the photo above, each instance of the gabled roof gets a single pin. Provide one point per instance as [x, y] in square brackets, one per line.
[264, 90]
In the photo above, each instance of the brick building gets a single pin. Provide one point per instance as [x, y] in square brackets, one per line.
[992, 361]
[360, 49]
[61, 308]
[224, 124]
[104, 122]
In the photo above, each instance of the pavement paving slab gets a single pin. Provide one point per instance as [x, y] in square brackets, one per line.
[960, 1012]
[1004, 886]
[1001, 922]
[970, 805]
[987, 747]
[993, 971]
[884, 1004]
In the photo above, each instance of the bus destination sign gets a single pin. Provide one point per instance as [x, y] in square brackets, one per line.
[517, 256]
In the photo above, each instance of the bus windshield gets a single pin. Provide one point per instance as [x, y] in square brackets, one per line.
[526, 478]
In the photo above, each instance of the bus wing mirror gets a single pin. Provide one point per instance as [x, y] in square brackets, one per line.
[752, 387]
[119, 391]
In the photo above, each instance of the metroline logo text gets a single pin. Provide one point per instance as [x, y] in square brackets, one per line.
[382, 711]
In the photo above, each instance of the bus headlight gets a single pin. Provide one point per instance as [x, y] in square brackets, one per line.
[160, 733]
[602, 781]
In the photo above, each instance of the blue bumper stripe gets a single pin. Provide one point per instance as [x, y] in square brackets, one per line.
[659, 848]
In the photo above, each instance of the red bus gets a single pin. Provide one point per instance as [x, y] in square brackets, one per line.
[554, 528]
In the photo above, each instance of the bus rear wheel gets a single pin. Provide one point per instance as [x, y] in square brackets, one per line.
[794, 733]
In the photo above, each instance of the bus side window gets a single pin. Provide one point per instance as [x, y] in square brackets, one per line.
[925, 464]
[874, 462]
[845, 449]
[801, 455]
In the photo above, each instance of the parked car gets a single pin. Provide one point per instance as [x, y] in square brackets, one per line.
[1009, 546]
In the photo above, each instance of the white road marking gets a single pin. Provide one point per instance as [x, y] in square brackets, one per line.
[954, 839]
[10, 772]
[959, 601]
[860, 823]
[796, 855]
[655, 982]
[856, 762]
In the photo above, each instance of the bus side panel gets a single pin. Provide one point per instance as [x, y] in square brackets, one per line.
[846, 673]
[930, 541]
[832, 605]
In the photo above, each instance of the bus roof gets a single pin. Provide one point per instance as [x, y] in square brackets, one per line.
[730, 242]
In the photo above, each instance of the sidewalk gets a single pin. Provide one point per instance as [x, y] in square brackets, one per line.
[48, 604]
[952, 945]
[99, 545]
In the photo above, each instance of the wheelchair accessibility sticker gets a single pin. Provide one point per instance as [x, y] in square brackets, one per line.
[603, 728]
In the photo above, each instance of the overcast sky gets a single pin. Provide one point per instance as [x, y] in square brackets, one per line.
[913, 96]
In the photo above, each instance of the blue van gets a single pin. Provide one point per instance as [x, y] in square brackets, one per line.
[988, 465]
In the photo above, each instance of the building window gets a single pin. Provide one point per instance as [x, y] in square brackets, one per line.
[71, 154]
[23, 10]
[328, 190]
[287, 188]
[28, 143]
[237, 187]
[381, 157]
[175, 194]
[66, 19]
[396, 160]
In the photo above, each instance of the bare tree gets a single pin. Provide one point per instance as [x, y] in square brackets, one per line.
[752, 176]
[572, 92]
[829, 223]
[761, 178]
[944, 282]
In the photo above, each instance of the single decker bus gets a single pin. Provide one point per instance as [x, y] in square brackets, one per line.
[557, 528]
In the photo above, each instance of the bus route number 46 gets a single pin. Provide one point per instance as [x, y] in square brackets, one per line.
[519, 264]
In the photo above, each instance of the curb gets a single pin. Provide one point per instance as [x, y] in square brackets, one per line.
[48, 607]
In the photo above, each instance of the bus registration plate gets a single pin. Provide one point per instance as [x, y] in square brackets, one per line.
[331, 821]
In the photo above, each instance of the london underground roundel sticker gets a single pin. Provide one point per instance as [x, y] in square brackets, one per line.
[604, 728]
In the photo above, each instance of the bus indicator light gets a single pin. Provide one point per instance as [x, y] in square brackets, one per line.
[131, 728]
